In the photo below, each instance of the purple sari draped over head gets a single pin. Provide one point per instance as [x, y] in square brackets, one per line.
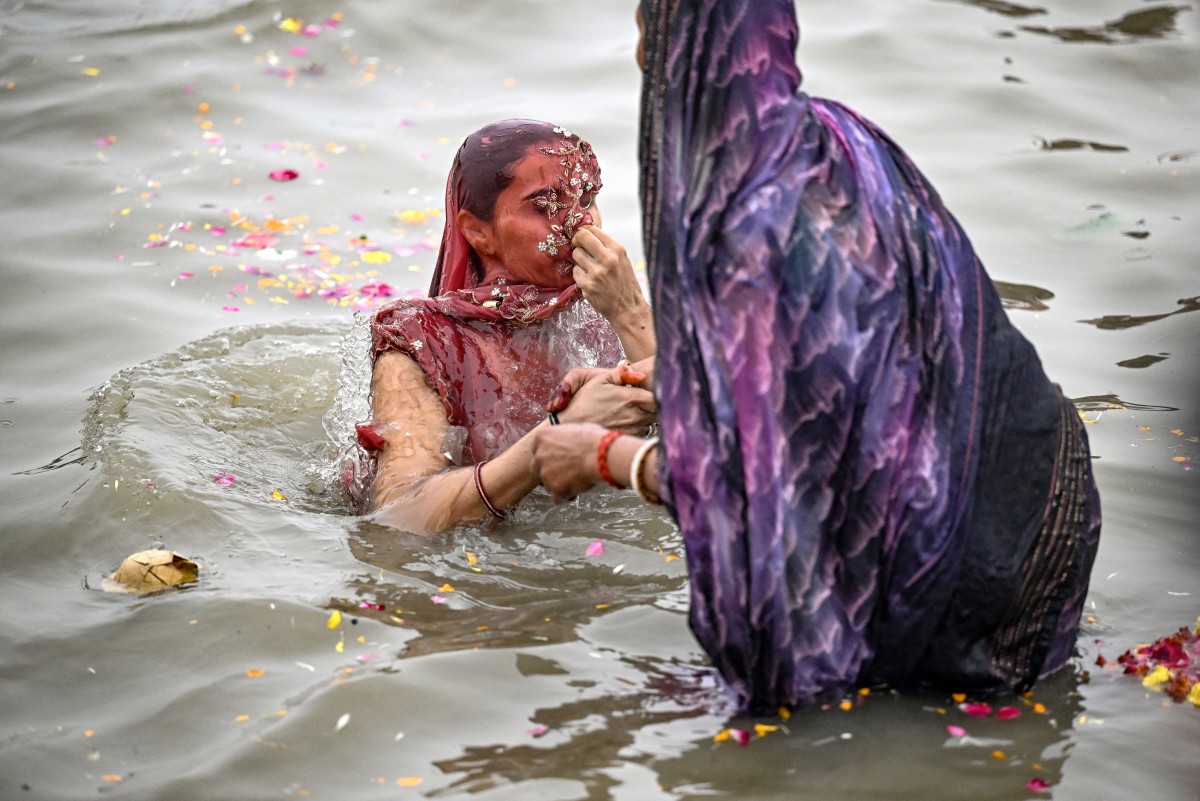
[875, 480]
[495, 352]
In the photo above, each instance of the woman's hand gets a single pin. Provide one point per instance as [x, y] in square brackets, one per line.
[605, 274]
[565, 458]
[612, 398]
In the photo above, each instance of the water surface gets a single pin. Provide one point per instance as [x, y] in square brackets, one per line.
[171, 312]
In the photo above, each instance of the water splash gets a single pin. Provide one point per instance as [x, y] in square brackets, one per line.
[245, 402]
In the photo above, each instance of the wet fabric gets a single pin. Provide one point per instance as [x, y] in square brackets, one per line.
[875, 480]
[494, 378]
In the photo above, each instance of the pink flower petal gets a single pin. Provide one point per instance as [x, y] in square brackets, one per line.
[956, 731]
[257, 240]
[976, 710]
[741, 736]
[595, 548]
[438, 599]
[1008, 712]
[283, 175]
[375, 289]
[1037, 784]
[538, 731]
[224, 479]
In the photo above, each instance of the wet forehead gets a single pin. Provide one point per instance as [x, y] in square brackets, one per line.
[537, 171]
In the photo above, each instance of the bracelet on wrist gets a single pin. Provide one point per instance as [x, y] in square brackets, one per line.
[636, 480]
[602, 457]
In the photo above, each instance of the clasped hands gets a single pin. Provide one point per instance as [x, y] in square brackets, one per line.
[565, 455]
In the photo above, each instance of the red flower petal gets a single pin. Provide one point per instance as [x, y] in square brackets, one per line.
[369, 436]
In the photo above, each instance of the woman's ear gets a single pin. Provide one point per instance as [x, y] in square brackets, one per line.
[477, 232]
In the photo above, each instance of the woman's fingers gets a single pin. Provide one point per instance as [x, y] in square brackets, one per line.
[575, 378]
[565, 458]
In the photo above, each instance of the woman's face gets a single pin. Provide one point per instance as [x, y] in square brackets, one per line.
[550, 197]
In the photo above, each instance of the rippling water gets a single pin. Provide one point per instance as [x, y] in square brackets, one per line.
[171, 312]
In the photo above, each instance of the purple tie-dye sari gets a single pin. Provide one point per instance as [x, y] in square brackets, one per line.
[875, 480]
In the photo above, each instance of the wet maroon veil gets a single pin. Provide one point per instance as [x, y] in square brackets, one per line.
[494, 352]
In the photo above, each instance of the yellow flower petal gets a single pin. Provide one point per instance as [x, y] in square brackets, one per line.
[335, 620]
[1160, 675]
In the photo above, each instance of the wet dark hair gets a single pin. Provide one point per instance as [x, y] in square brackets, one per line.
[482, 168]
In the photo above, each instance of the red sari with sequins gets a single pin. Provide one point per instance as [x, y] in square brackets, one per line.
[494, 353]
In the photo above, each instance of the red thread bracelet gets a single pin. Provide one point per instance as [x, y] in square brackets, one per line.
[602, 457]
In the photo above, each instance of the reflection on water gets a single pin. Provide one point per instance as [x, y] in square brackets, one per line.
[1144, 361]
[1101, 403]
[1023, 296]
[1076, 144]
[1003, 8]
[869, 740]
[526, 581]
[1150, 23]
[1113, 322]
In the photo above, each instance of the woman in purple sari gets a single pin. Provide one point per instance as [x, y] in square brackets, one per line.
[875, 481]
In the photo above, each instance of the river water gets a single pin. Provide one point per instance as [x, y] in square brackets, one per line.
[172, 313]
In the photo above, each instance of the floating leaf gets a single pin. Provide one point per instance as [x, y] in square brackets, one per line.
[255, 673]
[149, 571]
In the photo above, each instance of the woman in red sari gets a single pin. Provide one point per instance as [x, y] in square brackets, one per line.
[462, 377]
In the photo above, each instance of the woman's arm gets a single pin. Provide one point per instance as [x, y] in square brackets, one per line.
[418, 489]
[604, 273]
[566, 458]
